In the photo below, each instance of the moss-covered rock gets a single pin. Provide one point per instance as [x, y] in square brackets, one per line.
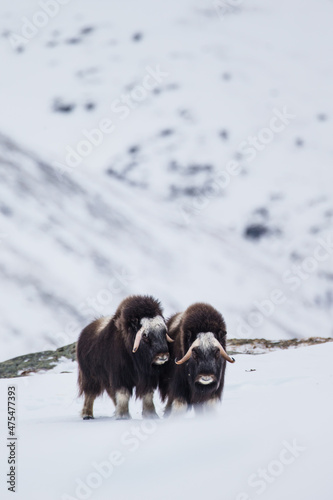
[30, 363]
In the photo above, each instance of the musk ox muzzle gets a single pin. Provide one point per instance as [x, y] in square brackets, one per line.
[160, 359]
[206, 379]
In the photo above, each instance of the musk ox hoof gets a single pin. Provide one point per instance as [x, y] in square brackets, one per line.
[88, 417]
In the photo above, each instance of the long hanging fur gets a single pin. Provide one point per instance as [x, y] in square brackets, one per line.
[105, 357]
[184, 328]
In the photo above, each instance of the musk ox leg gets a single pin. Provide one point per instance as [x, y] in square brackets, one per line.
[178, 407]
[122, 400]
[199, 408]
[212, 404]
[148, 407]
[87, 410]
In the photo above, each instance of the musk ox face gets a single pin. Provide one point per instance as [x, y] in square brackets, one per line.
[151, 340]
[205, 365]
[206, 360]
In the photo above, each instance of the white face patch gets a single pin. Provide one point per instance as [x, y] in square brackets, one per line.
[160, 360]
[152, 323]
[206, 340]
[102, 323]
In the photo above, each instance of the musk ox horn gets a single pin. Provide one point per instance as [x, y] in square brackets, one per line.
[196, 343]
[137, 340]
[187, 356]
[222, 351]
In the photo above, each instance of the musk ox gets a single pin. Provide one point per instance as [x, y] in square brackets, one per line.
[126, 351]
[197, 375]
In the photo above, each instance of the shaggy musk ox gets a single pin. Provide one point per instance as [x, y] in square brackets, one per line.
[116, 354]
[197, 376]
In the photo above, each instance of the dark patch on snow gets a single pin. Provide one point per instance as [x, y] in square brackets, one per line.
[73, 41]
[224, 134]
[134, 150]
[325, 300]
[276, 196]
[86, 73]
[326, 275]
[172, 86]
[86, 30]
[89, 106]
[256, 231]
[120, 176]
[51, 44]
[322, 117]
[5, 210]
[226, 76]
[137, 37]
[60, 106]
[186, 114]
[166, 132]
[314, 230]
[193, 169]
[299, 142]
[263, 212]
[189, 191]
[100, 262]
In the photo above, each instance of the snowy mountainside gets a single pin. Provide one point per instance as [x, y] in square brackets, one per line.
[213, 184]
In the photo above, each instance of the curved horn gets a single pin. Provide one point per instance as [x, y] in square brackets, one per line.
[169, 339]
[222, 351]
[187, 356]
[137, 340]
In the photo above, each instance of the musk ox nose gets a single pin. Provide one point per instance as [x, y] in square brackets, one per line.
[205, 379]
[161, 358]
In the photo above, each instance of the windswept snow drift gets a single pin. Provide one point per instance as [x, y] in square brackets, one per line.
[272, 434]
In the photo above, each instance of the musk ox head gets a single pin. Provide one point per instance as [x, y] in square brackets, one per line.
[206, 359]
[142, 318]
[152, 336]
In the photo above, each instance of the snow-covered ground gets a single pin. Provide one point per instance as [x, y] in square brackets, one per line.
[271, 438]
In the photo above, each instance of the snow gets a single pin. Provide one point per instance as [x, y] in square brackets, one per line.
[283, 405]
[165, 199]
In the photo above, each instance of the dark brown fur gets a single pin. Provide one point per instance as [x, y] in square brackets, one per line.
[184, 329]
[107, 363]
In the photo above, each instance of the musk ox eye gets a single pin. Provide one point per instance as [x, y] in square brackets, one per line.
[195, 354]
[145, 336]
[217, 353]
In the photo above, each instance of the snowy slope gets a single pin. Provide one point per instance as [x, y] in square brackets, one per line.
[281, 406]
[157, 202]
